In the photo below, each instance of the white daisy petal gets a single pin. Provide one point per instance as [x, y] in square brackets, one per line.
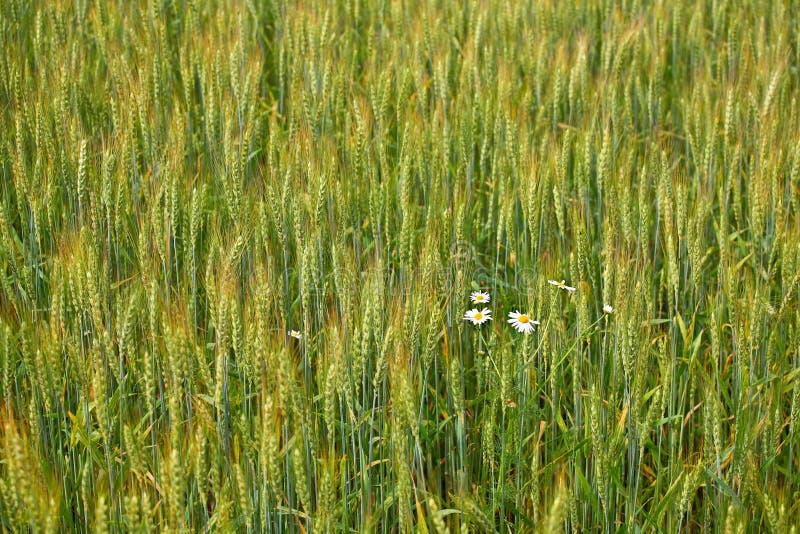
[477, 317]
[607, 308]
[522, 322]
[480, 297]
[561, 285]
[295, 334]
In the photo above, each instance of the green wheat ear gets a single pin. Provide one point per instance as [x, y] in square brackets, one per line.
[184, 184]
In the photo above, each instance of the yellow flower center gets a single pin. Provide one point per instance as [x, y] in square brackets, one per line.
[478, 316]
[479, 298]
[523, 319]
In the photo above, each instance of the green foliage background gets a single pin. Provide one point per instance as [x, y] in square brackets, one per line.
[182, 181]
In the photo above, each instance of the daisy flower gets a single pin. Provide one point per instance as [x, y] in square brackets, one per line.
[607, 308]
[478, 317]
[295, 334]
[480, 297]
[561, 285]
[522, 322]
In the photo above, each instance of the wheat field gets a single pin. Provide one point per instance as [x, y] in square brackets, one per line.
[257, 261]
